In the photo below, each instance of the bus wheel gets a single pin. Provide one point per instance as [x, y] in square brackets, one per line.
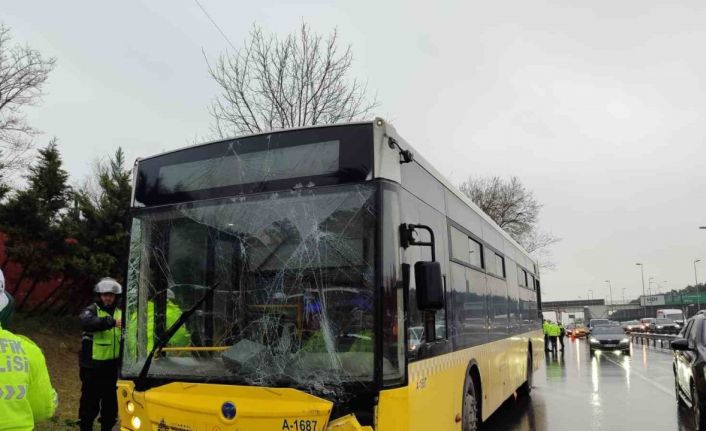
[526, 387]
[470, 406]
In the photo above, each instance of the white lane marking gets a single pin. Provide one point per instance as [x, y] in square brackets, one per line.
[642, 376]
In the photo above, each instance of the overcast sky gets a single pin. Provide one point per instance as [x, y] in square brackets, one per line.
[597, 106]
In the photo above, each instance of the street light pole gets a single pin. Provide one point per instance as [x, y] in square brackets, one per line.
[642, 271]
[590, 294]
[610, 289]
[623, 296]
[696, 282]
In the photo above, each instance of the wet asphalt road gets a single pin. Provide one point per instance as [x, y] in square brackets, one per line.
[573, 391]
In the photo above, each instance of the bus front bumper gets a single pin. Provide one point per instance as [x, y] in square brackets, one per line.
[182, 406]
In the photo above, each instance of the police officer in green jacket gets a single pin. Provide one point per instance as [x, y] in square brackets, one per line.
[553, 331]
[100, 348]
[181, 338]
[545, 329]
[26, 394]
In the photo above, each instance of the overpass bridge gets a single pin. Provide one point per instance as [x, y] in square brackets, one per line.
[597, 308]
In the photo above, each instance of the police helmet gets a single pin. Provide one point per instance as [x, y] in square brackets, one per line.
[108, 285]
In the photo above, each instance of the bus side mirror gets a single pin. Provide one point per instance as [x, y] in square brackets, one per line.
[427, 275]
[430, 288]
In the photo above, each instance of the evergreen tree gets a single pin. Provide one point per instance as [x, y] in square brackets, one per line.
[48, 182]
[31, 219]
[107, 218]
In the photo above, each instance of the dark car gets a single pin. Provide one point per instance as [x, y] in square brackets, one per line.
[664, 326]
[688, 367]
[605, 337]
[597, 322]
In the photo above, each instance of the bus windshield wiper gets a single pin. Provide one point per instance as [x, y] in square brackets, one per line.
[141, 382]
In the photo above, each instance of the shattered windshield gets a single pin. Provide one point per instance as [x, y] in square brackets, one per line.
[293, 304]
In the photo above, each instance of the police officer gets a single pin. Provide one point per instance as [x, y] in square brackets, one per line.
[562, 334]
[554, 332]
[181, 338]
[26, 394]
[100, 348]
[545, 329]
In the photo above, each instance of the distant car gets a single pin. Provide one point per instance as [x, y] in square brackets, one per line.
[664, 326]
[416, 334]
[608, 337]
[577, 331]
[631, 326]
[674, 314]
[645, 323]
[688, 367]
[597, 322]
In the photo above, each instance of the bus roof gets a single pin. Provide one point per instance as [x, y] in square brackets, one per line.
[449, 186]
[383, 172]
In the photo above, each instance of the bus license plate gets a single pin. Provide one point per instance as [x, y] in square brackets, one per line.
[299, 425]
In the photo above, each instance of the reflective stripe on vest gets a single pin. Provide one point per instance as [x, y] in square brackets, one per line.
[106, 344]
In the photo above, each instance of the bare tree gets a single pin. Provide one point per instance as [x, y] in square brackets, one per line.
[274, 83]
[23, 73]
[515, 209]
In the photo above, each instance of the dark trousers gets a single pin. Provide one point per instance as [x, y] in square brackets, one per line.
[546, 342]
[561, 341]
[98, 395]
[553, 338]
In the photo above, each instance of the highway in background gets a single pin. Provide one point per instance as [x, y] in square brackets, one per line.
[608, 391]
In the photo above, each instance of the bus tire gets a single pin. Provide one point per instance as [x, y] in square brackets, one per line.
[471, 407]
[526, 387]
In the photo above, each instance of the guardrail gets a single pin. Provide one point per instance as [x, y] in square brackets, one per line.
[663, 340]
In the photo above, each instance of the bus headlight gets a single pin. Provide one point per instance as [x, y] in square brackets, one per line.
[136, 422]
[593, 340]
[625, 341]
[130, 407]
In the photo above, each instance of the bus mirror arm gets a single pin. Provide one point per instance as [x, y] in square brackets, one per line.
[427, 275]
[405, 276]
[408, 237]
[406, 156]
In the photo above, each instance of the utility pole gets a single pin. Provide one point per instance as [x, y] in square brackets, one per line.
[624, 296]
[610, 289]
[696, 281]
[642, 271]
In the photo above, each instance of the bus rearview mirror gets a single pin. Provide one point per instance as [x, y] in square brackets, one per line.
[430, 288]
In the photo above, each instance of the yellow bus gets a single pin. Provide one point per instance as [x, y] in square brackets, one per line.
[323, 278]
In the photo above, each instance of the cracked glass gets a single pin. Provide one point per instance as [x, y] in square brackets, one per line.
[294, 298]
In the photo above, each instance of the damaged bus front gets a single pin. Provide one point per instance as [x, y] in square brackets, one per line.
[261, 255]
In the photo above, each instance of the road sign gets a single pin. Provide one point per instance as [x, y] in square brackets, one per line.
[652, 300]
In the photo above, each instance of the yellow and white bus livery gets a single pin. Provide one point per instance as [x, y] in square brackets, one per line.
[324, 278]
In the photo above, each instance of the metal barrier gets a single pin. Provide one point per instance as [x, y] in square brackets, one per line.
[663, 340]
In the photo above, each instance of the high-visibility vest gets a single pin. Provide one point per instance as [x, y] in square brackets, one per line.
[545, 328]
[106, 344]
[182, 337]
[26, 394]
[554, 330]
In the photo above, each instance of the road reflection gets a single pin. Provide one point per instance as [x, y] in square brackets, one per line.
[606, 391]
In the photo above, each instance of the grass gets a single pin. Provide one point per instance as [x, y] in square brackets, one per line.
[60, 340]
